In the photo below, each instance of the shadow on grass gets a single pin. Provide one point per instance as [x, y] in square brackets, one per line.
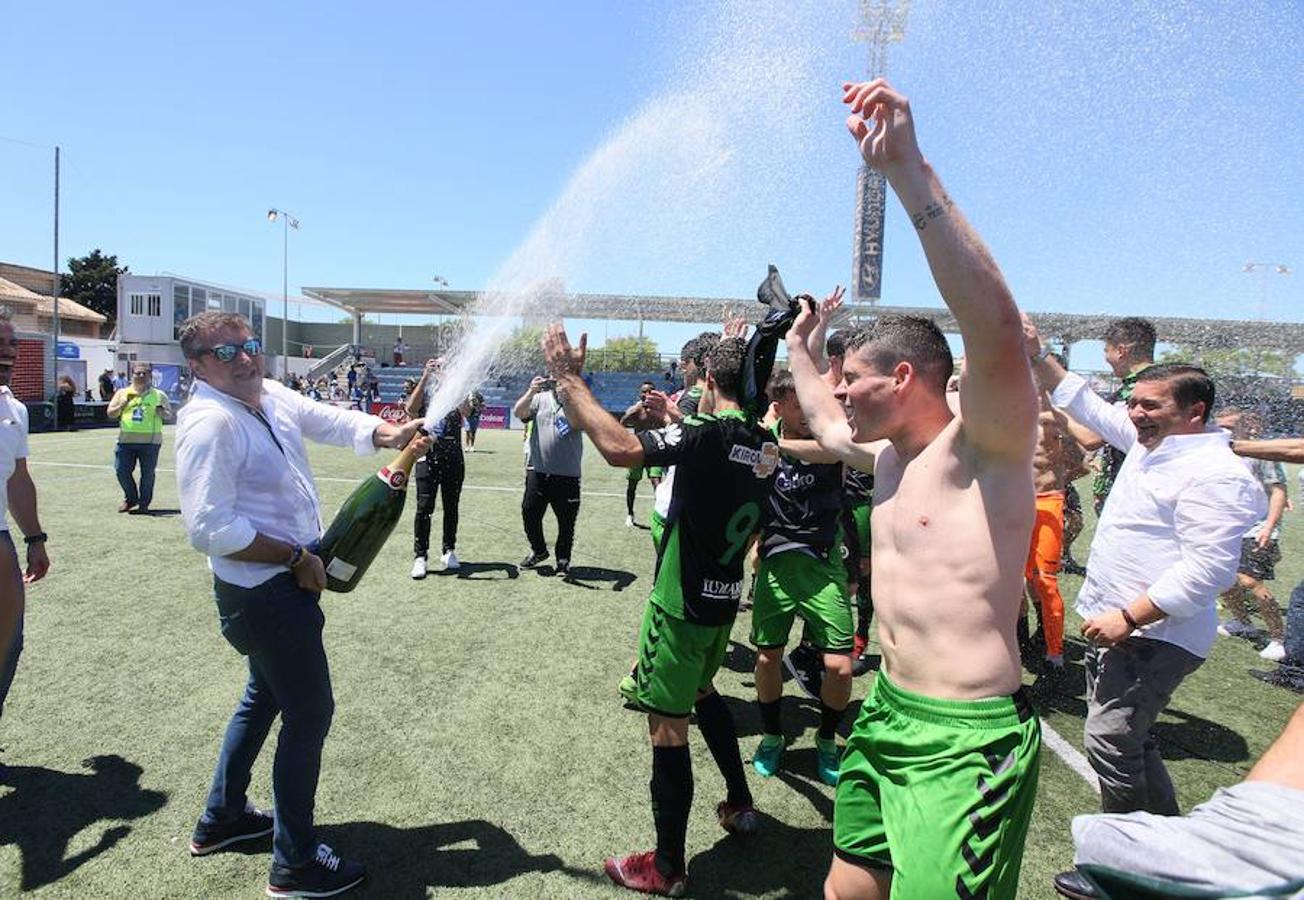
[155, 513]
[404, 863]
[801, 719]
[579, 575]
[45, 809]
[779, 860]
[1192, 737]
[481, 571]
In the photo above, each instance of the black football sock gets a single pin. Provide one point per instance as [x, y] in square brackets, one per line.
[830, 718]
[717, 726]
[631, 491]
[672, 797]
[771, 717]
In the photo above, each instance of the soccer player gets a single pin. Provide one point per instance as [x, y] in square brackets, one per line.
[639, 418]
[939, 775]
[725, 466]
[801, 575]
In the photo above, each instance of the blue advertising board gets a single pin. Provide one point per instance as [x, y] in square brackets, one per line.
[65, 350]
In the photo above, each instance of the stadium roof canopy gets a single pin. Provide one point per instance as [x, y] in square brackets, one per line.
[1285, 337]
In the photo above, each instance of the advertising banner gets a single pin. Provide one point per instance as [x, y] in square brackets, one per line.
[390, 412]
[167, 378]
[495, 417]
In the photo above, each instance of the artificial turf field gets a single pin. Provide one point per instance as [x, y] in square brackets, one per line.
[479, 748]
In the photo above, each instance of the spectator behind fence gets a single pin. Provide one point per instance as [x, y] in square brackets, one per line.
[1166, 546]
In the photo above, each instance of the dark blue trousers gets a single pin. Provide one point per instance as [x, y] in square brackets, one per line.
[9, 657]
[278, 626]
[125, 458]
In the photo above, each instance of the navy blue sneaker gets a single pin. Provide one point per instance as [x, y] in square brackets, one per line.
[325, 875]
[253, 823]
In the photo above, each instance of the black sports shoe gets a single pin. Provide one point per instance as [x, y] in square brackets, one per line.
[325, 875]
[807, 668]
[1280, 679]
[253, 823]
[534, 559]
[1073, 885]
[563, 567]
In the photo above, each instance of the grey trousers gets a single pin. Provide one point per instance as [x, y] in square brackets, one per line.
[1246, 841]
[1128, 685]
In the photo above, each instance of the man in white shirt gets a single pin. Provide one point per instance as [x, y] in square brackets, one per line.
[20, 499]
[249, 502]
[1167, 544]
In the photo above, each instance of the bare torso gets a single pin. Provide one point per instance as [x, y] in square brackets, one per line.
[1049, 466]
[950, 534]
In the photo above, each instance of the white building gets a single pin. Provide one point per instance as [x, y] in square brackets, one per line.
[151, 309]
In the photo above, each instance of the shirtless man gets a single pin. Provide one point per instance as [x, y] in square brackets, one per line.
[1056, 462]
[939, 775]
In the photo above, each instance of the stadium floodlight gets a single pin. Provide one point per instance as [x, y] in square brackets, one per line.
[882, 23]
[289, 222]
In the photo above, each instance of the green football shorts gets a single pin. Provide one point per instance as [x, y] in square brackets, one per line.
[791, 584]
[635, 473]
[676, 659]
[940, 792]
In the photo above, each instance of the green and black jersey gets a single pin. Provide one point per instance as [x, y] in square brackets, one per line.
[803, 508]
[724, 466]
[858, 486]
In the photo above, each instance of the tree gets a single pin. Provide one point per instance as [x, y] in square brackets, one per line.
[1237, 361]
[625, 354]
[92, 281]
[522, 351]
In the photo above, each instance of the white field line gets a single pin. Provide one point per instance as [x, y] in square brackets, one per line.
[1070, 754]
[1050, 737]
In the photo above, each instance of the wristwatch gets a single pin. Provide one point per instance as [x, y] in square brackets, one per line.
[39, 538]
[297, 553]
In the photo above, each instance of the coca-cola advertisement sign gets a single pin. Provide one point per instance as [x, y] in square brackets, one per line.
[390, 412]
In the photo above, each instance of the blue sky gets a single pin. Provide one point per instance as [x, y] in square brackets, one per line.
[1117, 160]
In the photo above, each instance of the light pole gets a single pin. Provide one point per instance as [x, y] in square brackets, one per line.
[289, 222]
[882, 22]
[1250, 268]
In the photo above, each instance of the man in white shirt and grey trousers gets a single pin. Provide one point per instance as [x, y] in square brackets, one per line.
[1167, 544]
[249, 502]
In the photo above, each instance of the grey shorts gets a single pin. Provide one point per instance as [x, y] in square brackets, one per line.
[1248, 840]
[1259, 562]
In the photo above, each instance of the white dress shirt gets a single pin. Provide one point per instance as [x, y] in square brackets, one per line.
[237, 480]
[1172, 525]
[13, 443]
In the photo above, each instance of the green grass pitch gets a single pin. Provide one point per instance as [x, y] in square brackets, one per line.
[479, 748]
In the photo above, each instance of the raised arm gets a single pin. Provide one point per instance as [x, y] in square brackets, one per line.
[997, 398]
[523, 408]
[1072, 394]
[825, 416]
[618, 445]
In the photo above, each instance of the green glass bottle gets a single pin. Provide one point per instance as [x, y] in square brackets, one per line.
[365, 521]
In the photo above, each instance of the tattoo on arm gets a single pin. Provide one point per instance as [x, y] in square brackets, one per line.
[934, 210]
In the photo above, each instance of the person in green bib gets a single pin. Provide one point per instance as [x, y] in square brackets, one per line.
[140, 409]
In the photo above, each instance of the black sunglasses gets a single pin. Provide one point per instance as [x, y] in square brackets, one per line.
[226, 352]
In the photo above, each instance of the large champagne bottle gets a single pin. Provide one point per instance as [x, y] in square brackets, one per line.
[365, 521]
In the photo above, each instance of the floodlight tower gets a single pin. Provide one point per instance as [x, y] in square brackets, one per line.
[882, 22]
